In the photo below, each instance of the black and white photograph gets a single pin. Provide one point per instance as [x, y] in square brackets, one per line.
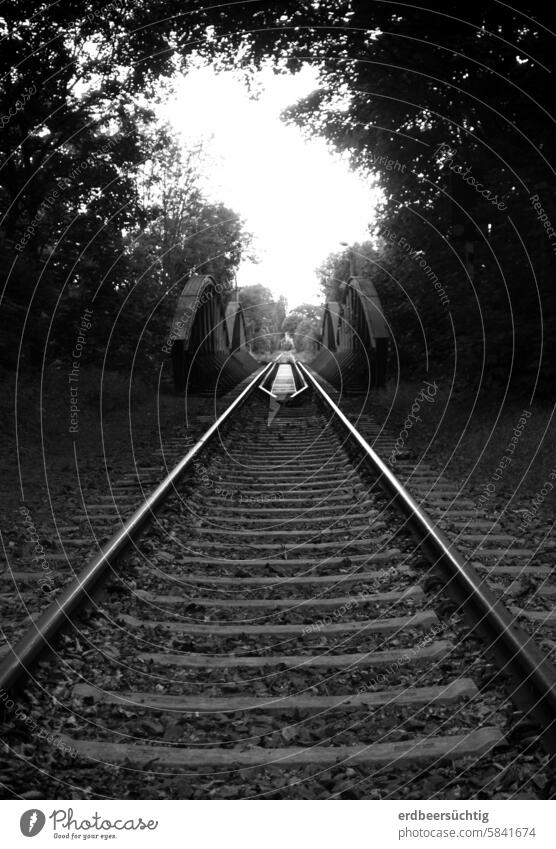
[278, 466]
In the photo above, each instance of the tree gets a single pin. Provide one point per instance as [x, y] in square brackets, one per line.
[72, 141]
[437, 105]
[303, 323]
[264, 317]
[443, 109]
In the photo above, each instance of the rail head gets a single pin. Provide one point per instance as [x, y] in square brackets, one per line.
[514, 650]
[15, 665]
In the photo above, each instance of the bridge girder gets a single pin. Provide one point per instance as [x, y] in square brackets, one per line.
[209, 342]
[355, 338]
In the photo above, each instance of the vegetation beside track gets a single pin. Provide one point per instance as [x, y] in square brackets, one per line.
[467, 435]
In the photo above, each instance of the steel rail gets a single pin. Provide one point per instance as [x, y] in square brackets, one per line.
[512, 648]
[37, 639]
[268, 379]
[301, 378]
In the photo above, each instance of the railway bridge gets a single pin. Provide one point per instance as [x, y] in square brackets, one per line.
[210, 350]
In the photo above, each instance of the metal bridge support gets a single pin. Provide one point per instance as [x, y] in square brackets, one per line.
[355, 339]
[209, 343]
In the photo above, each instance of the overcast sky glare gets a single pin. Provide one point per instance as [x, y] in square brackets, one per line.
[298, 198]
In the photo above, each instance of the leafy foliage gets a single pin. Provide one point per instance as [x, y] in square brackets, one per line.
[264, 317]
[453, 113]
[97, 207]
[426, 97]
[303, 323]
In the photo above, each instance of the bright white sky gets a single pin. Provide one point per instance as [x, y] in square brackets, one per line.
[297, 197]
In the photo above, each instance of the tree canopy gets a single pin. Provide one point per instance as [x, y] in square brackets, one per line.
[97, 205]
[264, 317]
[303, 323]
[449, 105]
[451, 108]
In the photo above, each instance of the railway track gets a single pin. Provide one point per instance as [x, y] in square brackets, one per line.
[278, 606]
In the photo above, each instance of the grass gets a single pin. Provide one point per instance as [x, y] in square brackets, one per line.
[466, 434]
[117, 423]
[480, 439]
